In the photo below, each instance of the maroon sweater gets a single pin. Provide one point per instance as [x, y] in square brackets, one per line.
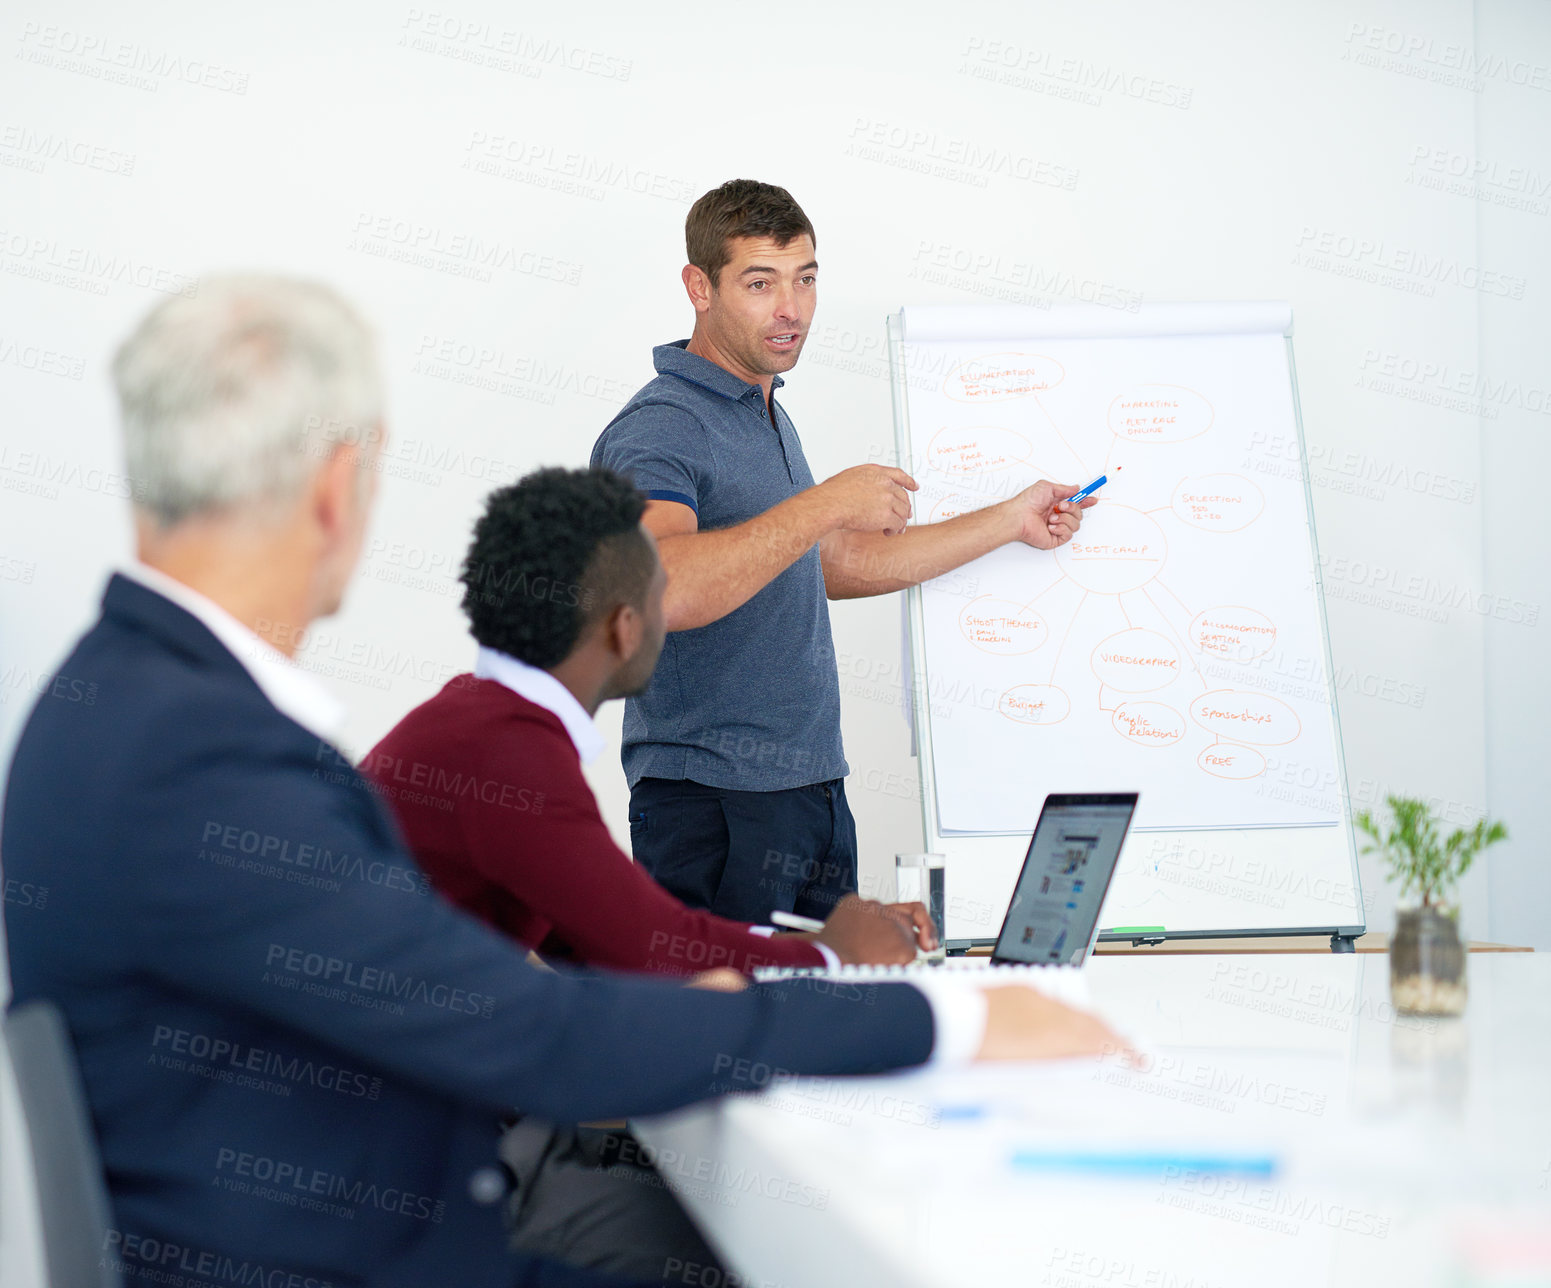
[489, 791]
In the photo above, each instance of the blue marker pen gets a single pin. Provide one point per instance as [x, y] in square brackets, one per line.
[1141, 1163]
[1089, 490]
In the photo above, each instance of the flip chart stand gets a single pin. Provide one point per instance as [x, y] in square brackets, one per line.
[1250, 832]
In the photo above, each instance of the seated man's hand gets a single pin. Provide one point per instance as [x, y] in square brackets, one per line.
[863, 932]
[1023, 1024]
[917, 920]
[723, 979]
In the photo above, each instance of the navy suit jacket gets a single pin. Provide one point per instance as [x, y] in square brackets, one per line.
[295, 1053]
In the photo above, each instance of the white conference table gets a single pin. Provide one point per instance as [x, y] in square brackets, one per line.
[1404, 1151]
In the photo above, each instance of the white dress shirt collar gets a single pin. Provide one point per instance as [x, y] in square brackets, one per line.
[293, 691]
[542, 689]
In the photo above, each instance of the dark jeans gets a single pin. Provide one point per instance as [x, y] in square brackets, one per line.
[744, 855]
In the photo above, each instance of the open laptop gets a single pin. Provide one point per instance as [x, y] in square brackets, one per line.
[1053, 919]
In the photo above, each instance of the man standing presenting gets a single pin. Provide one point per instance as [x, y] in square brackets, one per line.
[733, 753]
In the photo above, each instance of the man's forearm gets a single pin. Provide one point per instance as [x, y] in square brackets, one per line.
[873, 563]
[712, 573]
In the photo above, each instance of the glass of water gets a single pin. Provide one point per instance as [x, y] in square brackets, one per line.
[918, 878]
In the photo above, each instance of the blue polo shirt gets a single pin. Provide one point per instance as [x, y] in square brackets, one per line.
[751, 701]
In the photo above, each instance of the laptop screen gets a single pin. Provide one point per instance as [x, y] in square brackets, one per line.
[1054, 914]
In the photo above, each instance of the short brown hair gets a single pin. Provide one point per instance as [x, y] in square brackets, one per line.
[740, 208]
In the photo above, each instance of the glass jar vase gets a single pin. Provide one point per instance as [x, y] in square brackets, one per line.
[1427, 963]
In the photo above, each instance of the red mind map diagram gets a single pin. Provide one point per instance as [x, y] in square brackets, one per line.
[1131, 630]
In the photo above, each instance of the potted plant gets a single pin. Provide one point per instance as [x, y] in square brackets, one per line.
[1426, 955]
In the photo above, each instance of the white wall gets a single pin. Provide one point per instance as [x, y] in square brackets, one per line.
[1279, 158]
[1513, 197]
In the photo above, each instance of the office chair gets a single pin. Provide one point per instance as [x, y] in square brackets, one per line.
[72, 1198]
